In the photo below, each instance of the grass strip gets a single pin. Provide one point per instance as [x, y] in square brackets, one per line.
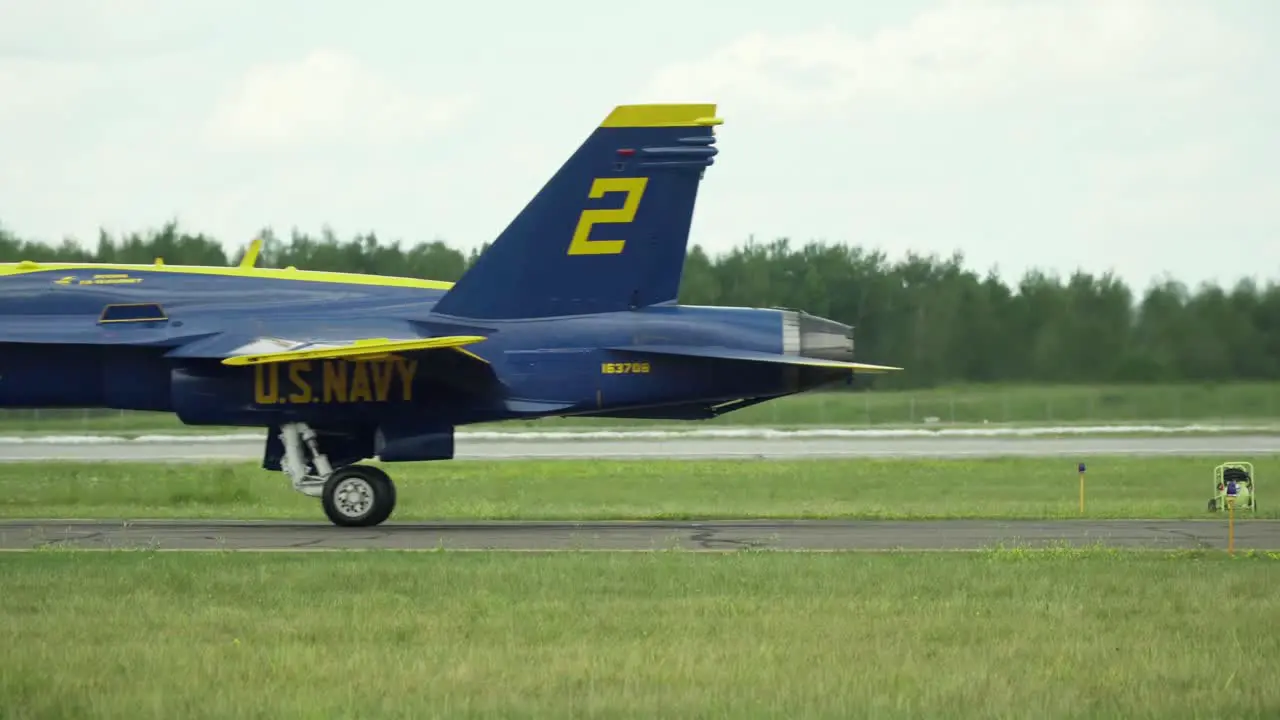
[1034, 488]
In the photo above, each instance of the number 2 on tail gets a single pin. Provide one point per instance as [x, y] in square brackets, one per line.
[634, 188]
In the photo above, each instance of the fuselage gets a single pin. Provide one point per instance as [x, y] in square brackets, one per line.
[57, 352]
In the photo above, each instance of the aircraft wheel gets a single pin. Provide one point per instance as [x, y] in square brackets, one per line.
[358, 496]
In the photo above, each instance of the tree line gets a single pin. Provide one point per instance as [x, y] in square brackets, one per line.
[942, 321]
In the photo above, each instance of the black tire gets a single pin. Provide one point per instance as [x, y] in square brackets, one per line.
[373, 509]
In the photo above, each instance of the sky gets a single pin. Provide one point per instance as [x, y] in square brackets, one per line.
[1127, 136]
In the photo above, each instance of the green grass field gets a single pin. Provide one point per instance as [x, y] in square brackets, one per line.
[1116, 487]
[1012, 633]
[1057, 634]
[1254, 403]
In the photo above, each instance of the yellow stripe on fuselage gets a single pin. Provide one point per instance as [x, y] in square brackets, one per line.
[27, 267]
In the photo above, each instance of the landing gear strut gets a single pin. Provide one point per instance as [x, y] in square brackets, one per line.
[352, 496]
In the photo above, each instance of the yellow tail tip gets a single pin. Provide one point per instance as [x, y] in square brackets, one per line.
[662, 115]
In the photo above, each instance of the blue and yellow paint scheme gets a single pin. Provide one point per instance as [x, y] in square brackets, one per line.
[571, 311]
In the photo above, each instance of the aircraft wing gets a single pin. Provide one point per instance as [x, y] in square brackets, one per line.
[274, 349]
[723, 353]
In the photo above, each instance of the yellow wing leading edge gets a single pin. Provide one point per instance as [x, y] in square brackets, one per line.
[363, 349]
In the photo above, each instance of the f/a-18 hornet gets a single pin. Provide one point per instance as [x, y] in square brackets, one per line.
[571, 311]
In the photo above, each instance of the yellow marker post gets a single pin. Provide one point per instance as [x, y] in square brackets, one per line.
[1081, 471]
[1231, 525]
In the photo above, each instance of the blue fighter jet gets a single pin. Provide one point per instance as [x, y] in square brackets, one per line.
[571, 312]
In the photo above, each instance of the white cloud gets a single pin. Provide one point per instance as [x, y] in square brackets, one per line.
[966, 51]
[326, 97]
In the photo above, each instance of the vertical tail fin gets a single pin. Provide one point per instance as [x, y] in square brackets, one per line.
[610, 229]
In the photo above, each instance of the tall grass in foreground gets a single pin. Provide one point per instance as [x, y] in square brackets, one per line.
[991, 635]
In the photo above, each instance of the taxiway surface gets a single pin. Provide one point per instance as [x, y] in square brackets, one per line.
[708, 535]
[178, 450]
[636, 536]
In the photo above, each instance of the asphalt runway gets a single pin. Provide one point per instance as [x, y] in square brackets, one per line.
[818, 535]
[693, 448]
[788, 535]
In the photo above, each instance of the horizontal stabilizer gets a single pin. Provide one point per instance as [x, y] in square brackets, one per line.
[274, 350]
[682, 411]
[723, 353]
